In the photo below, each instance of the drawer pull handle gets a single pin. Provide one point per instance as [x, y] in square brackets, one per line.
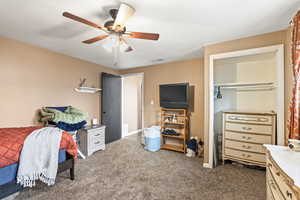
[247, 138]
[244, 155]
[272, 184]
[246, 147]
[270, 165]
[288, 194]
[247, 128]
[97, 143]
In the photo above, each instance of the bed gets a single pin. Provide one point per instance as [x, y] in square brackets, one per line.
[11, 142]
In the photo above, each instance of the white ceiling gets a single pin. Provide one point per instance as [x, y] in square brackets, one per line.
[185, 26]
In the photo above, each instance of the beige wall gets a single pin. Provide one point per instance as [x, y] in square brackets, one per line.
[132, 102]
[32, 77]
[175, 72]
[279, 37]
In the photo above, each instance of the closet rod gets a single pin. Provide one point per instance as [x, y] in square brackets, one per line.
[251, 88]
[226, 85]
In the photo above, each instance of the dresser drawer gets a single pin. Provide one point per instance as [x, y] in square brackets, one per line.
[244, 137]
[281, 182]
[269, 193]
[258, 148]
[245, 155]
[275, 192]
[263, 129]
[257, 119]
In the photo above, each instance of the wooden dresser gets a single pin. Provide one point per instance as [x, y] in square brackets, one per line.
[91, 139]
[244, 134]
[283, 173]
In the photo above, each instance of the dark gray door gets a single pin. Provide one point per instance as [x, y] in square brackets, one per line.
[111, 106]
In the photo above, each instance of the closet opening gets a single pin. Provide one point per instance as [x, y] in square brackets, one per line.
[132, 104]
[247, 83]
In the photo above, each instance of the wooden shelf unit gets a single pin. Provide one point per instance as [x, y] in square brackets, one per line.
[180, 126]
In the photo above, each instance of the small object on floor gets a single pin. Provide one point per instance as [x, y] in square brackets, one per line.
[200, 148]
[192, 147]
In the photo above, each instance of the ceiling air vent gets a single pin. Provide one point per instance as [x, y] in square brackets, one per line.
[158, 60]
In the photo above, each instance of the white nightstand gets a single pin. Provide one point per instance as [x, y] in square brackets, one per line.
[91, 139]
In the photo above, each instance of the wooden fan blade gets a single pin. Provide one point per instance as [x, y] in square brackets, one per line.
[146, 36]
[95, 39]
[79, 19]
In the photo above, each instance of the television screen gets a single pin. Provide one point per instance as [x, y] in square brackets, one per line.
[174, 95]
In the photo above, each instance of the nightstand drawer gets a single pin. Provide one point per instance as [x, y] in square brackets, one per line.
[98, 145]
[263, 129]
[96, 132]
[246, 155]
[97, 136]
[244, 137]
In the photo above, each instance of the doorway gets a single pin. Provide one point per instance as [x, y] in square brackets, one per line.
[132, 104]
[111, 104]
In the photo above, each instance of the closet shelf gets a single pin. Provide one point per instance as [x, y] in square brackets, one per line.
[247, 86]
[87, 90]
[244, 84]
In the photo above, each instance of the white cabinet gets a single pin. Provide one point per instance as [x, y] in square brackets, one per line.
[91, 139]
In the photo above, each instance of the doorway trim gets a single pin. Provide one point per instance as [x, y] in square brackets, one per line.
[142, 102]
[279, 53]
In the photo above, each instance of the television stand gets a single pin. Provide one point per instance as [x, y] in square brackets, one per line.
[174, 127]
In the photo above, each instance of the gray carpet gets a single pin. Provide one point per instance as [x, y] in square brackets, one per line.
[125, 171]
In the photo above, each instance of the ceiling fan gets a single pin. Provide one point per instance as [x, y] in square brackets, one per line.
[115, 28]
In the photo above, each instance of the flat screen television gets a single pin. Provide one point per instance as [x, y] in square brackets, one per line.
[174, 95]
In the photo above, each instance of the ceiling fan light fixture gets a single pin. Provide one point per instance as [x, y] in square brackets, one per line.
[125, 11]
[108, 44]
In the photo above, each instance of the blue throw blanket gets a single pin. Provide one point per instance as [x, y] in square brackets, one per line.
[69, 127]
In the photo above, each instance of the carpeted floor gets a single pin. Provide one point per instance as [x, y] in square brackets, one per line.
[125, 171]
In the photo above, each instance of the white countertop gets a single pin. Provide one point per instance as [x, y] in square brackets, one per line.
[287, 160]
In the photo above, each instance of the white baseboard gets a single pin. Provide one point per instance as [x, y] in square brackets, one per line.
[133, 132]
[206, 165]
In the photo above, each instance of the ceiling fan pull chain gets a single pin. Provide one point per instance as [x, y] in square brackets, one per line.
[116, 51]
